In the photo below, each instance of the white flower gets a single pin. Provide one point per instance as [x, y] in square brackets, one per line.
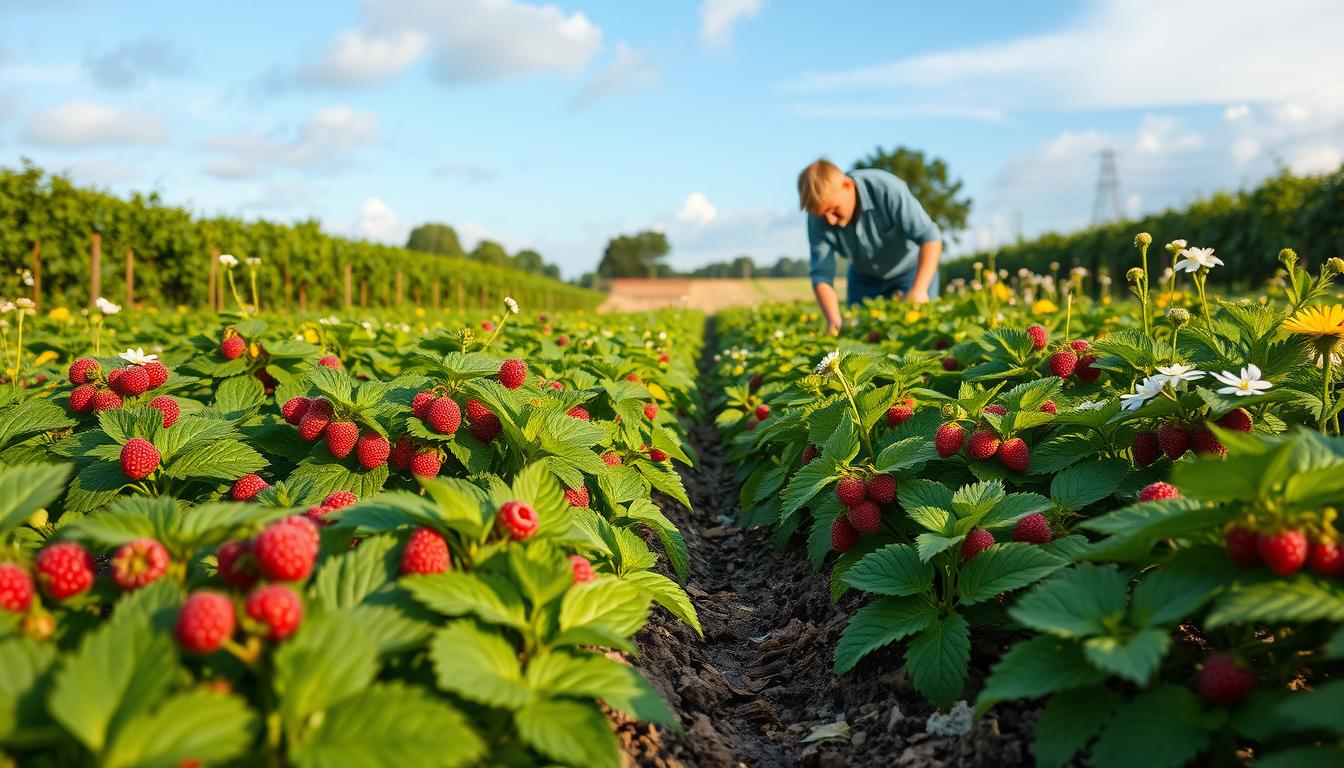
[829, 363]
[6, 306]
[27, 277]
[1177, 374]
[253, 261]
[366, 325]
[24, 303]
[1092, 406]
[107, 307]
[1196, 258]
[228, 259]
[1248, 383]
[1176, 245]
[137, 356]
[662, 335]
[1145, 391]
[779, 334]
[512, 305]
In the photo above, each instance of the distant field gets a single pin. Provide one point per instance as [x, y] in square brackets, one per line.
[708, 295]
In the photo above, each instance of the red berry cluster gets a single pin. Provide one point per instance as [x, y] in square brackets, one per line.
[863, 500]
[93, 391]
[1285, 550]
[1175, 438]
[316, 417]
[984, 444]
[900, 411]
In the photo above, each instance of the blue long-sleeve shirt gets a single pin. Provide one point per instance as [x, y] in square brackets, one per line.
[882, 239]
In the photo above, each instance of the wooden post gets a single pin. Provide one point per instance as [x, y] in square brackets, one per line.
[37, 273]
[364, 294]
[288, 286]
[130, 278]
[349, 283]
[96, 269]
[416, 295]
[214, 276]
[401, 288]
[303, 295]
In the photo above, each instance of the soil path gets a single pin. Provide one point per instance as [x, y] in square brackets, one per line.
[760, 682]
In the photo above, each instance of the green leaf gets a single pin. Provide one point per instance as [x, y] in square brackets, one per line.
[194, 432]
[120, 669]
[1152, 520]
[1038, 667]
[478, 664]
[1069, 720]
[336, 385]
[220, 460]
[1134, 657]
[29, 418]
[936, 659]
[924, 493]
[542, 573]
[1301, 598]
[1173, 592]
[197, 724]
[895, 570]
[1161, 728]
[1083, 484]
[457, 593]
[1014, 507]
[1078, 602]
[602, 612]
[571, 732]
[646, 512]
[977, 499]
[668, 594]
[580, 674]
[239, 394]
[346, 580]
[1003, 568]
[878, 624]
[329, 658]
[936, 519]
[95, 486]
[1321, 708]
[328, 475]
[26, 489]
[906, 454]
[930, 544]
[807, 483]
[390, 724]
[23, 667]
[1303, 757]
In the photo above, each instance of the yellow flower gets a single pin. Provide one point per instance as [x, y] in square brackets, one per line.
[310, 336]
[1323, 326]
[1044, 307]
[182, 309]
[1002, 292]
[912, 316]
[59, 314]
[46, 357]
[419, 311]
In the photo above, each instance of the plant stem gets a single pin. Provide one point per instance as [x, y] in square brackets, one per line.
[1329, 364]
[256, 302]
[1068, 314]
[233, 288]
[18, 352]
[1203, 305]
[858, 418]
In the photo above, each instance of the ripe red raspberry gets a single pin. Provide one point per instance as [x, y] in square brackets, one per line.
[583, 570]
[983, 445]
[752, 424]
[237, 564]
[1039, 337]
[1158, 491]
[1206, 443]
[650, 411]
[874, 337]
[1284, 552]
[995, 408]
[341, 437]
[1145, 448]
[881, 489]
[810, 453]
[1173, 439]
[1084, 370]
[339, 499]
[850, 490]
[486, 428]
[277, 607]
[426, 464]
[977, 541]
[247, 487]
[762, 411]
[426, 551]
[948, 438]
[1238, 419]
[1241, 547]
[373, 450]
[1049, 407]
[330, 361]
[105, 400]
[168, 407]
[898, 414]
[137, 563]
[1079, 345]
[421, 402]
[83, 370]
[316, 514]
[1224, 681]
[1014, 455]
[865, 517]
[287, 548]
[475, 409]
[132, 381]
[1033, 529]
[157, 373]
[1326, 558]
[113, 377]
[578, 497]
[632, 377]
[518, 520]
[402, 453]
[513, 373]
[843, 535]
[139, 458]
[64, 569]
[322, 407]
[657, 455]
[81, 398]
[950, 364]
[561, 340]
[205, 622]
[443, 415]
[232, 347]
[611, 459]
[313, 424]
[294, 409]
[580, 413]
[486, 325]
[16, 588]
[1062, 363]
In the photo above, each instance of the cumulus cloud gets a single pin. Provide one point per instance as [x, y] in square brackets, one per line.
[718, 17]
[128, 65]
[359, 57]
[697, 209]
[326, 140]
[629, 71]
[378, 222]
[86, 124]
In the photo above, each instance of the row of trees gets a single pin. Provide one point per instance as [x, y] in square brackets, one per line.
[442, 239]
[50, 228]
[1247, 229]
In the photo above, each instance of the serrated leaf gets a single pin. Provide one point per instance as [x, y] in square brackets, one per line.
[1078, 602]
[1302, 598]
[572, 674]
[345, 581]
[1161, 728]
[23, 665]
[570, 732]
[1004, 568]
[29, 418]
[329, 658]
[221, 460]
[880, 623]
[1014, 507]
[1134, 657]
[895, 570]
[937, 657]
[458, 593]
[668, 594]
[674, 544]
[1038, 667]
[924, 493]
[197, 724]
[95, 486]
[606, 611]
[478, 664]
[1070, 720]
[906, 454]
[930, 544]
[26, 489]
[1083, 484]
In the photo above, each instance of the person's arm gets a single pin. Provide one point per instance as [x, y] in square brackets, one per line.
[919, 227]
[929, 254]
[822, 271]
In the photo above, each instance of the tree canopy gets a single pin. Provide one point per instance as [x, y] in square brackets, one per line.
[929, 181]
[636, 255]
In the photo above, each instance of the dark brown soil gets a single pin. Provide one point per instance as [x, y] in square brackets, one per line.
[760, 682]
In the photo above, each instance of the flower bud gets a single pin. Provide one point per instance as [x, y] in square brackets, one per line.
[1335, 265]
[1143, 239]
[1288, 257]
[1134, 275]
[1178, 316]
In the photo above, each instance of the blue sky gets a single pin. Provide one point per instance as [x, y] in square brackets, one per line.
[558, 125]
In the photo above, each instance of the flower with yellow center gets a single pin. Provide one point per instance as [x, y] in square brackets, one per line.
[1044, 307]
[1323, 327]
[912, 316]
[59, 314]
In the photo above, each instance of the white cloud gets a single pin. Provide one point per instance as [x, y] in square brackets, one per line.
[378, 222]
[1316, 158]
[127, 65]
[1159, 134]
[630, 71]
[1236, 112]
[326, 140]
[1244, 150]
[84, 124]
[358, 57]
[718, 17]
[697, 209]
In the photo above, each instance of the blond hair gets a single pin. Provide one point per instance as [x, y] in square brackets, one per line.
[813, 183]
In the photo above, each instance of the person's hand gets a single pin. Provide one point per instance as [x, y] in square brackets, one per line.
[918, 297]
[832, 327]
